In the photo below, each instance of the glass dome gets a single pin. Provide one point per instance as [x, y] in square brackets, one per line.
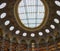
[31, 13]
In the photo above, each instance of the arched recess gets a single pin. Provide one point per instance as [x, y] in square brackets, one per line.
[23, 46]
[1, 38]
[13, 44]
[1, 34]
[6, 42]
[33, 46]
[42, 45]
[51, 44]
[58, 43]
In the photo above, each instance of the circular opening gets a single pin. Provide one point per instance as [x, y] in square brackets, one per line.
[58, 12]
[11, 28]
[31, 14]
[40, 33]
[3, 15]
[52, 26]
[57, 3]
[17, 32]
[32, 35]
[3, 5]
[47, 30]
[7, 22]
[24, 34]
[56, 20]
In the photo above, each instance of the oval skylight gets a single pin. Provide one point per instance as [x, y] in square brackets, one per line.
[31, 12]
